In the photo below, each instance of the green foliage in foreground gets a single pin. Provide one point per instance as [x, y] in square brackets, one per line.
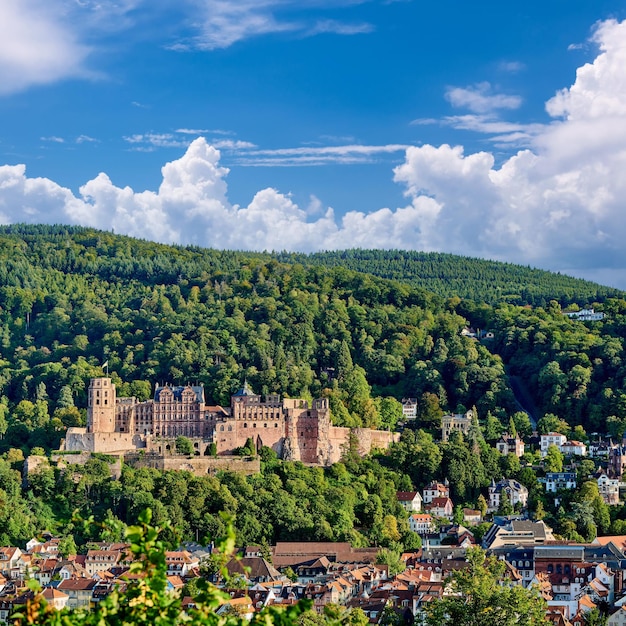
[478, 596]
[145, 599]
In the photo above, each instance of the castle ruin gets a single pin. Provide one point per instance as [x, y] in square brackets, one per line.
[292, 428]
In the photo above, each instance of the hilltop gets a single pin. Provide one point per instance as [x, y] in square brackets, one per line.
[450, 275]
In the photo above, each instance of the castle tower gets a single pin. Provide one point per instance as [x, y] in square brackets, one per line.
[101, 406]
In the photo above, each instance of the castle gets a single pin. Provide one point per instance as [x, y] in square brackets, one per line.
[292, 428]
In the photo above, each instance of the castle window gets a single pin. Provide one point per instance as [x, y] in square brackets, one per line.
[275, 425]
[245, 425]
[265, 425]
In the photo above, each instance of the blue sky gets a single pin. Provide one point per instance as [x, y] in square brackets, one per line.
[492, 129]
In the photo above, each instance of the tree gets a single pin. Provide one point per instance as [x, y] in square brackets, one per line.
[429, 412]
[553, 461]
[505, 507]
[67, 547]
[493, 428]
[392, 559]
[184, 446]
[66, 398]
[522, 423]
[481, 505]
[481, 597]
[550, 423]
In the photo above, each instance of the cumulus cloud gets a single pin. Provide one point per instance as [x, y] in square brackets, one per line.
[558, 204]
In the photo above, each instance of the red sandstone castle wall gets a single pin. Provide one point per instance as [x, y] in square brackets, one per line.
[234, 433]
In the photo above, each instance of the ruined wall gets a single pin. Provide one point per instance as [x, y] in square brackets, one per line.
[78, 439]
[382, 439]
[334, 440]
[233, 433]
[199, 466]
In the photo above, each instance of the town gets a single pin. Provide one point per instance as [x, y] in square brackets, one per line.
[576, 579]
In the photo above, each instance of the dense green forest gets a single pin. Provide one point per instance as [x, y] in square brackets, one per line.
[451, 275]
[72, 298]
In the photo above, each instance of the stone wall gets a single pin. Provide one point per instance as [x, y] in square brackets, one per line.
[199, 466]
[78, 439]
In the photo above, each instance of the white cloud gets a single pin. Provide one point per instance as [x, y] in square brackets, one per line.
[231, 144]
[221, 23]
[481, 99]
[150, 141]
[44, 41]
[36, 47]
[340, 28]
[557, 204]
[318, 155]
[512, 67]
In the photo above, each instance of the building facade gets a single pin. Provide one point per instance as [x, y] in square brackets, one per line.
[293, 428]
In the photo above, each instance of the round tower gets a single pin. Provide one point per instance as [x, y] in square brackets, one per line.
[101, 406]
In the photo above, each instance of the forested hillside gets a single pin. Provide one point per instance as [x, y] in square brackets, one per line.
[451, 275]
[71, 298]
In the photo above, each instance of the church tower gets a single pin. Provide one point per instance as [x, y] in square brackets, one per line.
[101, 406]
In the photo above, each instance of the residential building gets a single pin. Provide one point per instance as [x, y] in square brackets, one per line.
[600, 449]
[510, 445]
[472, 516]
[618, 618]
[101, 560]
[435, 490]
[574, 448]
[551, 439]
[421, 523]
[609, 489]
[585, 315]
[409, 408]
[79, 591]
[410, 501]
[516, 492]
[517, 532]
[440, 507]
[555, 481]
[459, 422]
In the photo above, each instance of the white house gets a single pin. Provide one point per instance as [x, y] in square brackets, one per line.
[435, 490]
[421, 523]
[554, 481]
[409, 408]
[410, 501]
[576, 448]
[585, 315]
[608, 488]
[551, 439]
[515, 491]
[618, 618]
